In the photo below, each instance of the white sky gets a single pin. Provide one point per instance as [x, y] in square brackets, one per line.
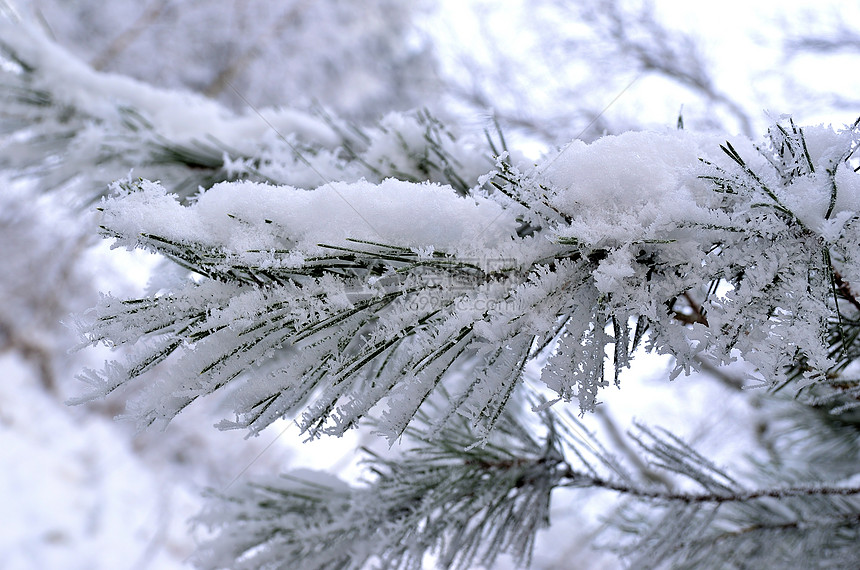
[740, 40]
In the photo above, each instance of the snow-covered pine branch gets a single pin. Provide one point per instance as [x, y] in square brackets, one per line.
[465, 504]
[804, 510]
[331, 300]
[64, 115]
[60, 114]
[404, 276]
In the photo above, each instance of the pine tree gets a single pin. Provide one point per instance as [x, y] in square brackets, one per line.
[407, 277]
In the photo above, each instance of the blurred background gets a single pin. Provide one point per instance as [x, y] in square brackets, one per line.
[79, 489]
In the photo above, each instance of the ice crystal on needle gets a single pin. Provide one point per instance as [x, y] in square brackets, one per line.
[329, 301]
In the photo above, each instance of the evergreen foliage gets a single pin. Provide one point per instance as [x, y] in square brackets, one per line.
[407, 277]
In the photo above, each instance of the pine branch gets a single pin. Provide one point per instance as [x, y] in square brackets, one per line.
[411, 312]
[466, 506]
[118, 124]
[578, 479]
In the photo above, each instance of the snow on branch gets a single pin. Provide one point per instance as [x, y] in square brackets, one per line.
[76, 129]
[331, 301]
[180, 116]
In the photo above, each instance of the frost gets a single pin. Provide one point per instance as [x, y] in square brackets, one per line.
[332, 301]
[611, 272]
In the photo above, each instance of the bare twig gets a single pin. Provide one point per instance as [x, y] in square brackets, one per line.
[579, 479]
[127, 37]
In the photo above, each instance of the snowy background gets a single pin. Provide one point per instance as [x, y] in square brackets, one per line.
[79, 489]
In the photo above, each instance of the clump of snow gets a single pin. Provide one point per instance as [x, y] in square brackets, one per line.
[826, 146]
[611, 272]
[629, 187]
[848, 182]
[243, 216]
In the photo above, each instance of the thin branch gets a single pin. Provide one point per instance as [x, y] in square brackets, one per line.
[579, 479]
[845, 288]
[128, 36]
[228, 74]
[31, 351]
[641, 465]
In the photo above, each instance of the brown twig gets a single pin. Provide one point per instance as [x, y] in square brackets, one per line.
[696, 316]
[845, 288]
[128, 36]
